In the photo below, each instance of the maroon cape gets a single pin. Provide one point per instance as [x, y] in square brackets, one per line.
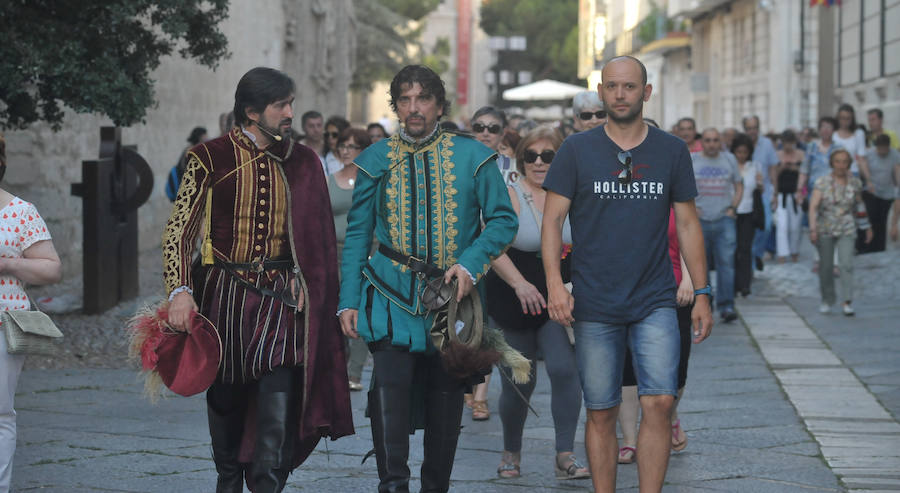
[325, 405]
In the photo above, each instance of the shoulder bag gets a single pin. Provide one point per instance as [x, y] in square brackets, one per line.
[30, 332]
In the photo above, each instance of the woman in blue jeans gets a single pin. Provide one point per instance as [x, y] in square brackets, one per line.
[516, 294]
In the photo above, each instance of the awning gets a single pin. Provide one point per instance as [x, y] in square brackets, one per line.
[543, 90]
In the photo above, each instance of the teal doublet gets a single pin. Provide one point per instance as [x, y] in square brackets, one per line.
[427, 200]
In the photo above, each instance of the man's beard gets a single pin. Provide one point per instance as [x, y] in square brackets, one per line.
[633, 114]
[277, 129]
[417, 133]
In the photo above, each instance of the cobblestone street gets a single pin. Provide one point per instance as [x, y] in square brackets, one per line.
[754, 410]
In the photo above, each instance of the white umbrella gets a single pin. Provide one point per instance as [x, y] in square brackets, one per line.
[542, 90]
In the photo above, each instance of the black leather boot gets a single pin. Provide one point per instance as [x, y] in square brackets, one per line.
[443, 415]
[275, 430]
[225, 430]
[389, 415]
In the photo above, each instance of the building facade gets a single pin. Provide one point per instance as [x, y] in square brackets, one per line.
[751, 57]
[866, 57]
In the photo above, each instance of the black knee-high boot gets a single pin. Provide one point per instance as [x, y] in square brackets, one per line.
[225, 430]
[389, 415]
[443, 414]
[275, 430]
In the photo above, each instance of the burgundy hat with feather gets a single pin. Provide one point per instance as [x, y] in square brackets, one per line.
[186, 362]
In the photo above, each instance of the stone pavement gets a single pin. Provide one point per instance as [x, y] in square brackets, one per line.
[761, 414]
[86, 430]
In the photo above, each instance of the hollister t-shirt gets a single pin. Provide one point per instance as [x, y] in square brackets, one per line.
[621, 269]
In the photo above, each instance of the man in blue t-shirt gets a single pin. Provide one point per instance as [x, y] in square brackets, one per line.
[617, 183]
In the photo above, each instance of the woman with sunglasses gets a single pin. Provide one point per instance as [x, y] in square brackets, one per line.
[333, 128]
[348, 145]
[588, 111]
[488, 126]
[516, 295]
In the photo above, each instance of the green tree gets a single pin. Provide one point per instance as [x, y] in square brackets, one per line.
[386, 36]
[551, 31]
[411, 9]
[97, 55]
[439, 58]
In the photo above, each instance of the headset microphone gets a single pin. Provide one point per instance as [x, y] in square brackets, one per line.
[269, 131]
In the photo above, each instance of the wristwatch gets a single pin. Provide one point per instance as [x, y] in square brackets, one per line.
[707, 290]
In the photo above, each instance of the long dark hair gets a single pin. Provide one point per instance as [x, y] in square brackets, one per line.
[849, 108]
[196, 135]
[258, 88]
[429, 80]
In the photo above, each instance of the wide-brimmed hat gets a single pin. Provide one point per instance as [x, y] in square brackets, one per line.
[185, 362]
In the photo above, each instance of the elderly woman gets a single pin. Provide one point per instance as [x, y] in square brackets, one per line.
[26, 256]
[587, 110]
[836, 200]
[516, 298]
[340, 188]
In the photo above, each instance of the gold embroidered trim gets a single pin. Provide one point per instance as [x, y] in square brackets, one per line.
[450, 205]
[183, 225]
[392, 191]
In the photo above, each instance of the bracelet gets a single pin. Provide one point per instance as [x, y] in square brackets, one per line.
[707, 290]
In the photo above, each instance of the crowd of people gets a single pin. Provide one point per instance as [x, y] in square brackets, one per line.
[527, 236]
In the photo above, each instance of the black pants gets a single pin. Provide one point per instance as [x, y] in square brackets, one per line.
[743, 254]
[276, 395]
[397, 376]
[878, 210]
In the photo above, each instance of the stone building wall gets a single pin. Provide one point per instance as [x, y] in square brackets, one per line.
[43, 164]
[743, 60]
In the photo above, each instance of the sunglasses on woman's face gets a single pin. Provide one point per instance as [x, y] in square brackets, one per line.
[332, 135]
[625, 160]
[480, 127]
[586, 115]
[546, 156]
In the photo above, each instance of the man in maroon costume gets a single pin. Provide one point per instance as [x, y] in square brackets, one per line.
[268, 282]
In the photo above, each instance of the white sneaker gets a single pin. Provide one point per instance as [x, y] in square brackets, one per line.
[824, 308]
[848, 310]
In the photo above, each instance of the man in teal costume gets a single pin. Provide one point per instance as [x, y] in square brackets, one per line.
[437, 204]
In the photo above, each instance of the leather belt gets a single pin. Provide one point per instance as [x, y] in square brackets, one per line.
[258, 265]
[415, 264]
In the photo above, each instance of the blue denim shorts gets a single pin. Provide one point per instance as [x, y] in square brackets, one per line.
[600, 353]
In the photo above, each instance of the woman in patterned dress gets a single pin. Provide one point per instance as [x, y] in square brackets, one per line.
[26, 256]
[836, 199]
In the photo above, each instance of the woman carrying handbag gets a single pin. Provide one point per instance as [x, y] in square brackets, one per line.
[27, 256]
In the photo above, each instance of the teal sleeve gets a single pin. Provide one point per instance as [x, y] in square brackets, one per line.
[360, 229]
[500, 221]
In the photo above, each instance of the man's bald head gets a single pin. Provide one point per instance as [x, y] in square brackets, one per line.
[629, 60]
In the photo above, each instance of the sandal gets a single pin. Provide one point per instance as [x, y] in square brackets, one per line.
[509, 466]
[468, 398]
[679, 437]
[572, 469]
[480, 411]
[627, 454]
